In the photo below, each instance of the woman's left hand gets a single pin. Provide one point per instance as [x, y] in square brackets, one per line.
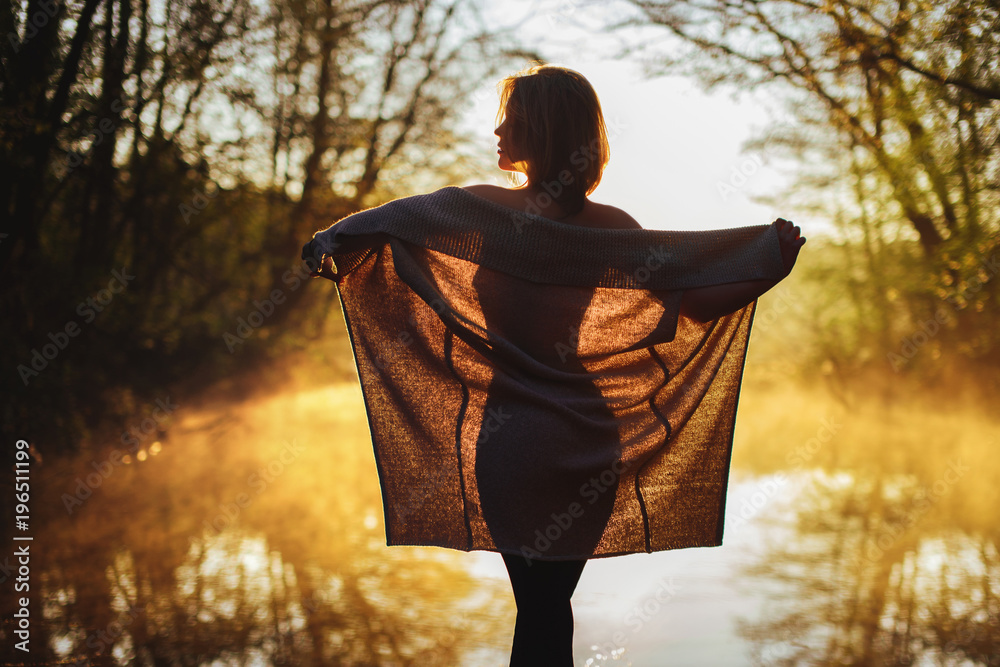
[790, 242]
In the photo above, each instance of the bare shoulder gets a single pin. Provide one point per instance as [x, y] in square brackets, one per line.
[593, 214]
[487, 191]
[498, 195]
[612, 217]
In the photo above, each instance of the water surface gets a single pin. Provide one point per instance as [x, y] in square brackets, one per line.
[251, 533]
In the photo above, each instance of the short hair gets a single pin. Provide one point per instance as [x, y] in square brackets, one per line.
[556, 123]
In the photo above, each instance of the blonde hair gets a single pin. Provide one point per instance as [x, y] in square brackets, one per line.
[558, 129]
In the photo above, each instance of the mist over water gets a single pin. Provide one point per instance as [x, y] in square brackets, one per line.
[250, 532]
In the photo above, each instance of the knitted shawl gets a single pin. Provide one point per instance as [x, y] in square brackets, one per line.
[530, 385]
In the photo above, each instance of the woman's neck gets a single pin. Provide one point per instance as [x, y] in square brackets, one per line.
[546, 203]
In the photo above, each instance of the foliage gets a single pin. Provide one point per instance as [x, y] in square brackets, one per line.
[896, 134]
[193, 147]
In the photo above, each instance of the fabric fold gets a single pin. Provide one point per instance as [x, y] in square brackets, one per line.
[530, 385]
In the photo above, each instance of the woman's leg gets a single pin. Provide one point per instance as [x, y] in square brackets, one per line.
[543, 632]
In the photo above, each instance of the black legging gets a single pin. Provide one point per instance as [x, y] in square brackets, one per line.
[543, 632]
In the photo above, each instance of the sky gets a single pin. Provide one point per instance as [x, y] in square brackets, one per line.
[676, 151]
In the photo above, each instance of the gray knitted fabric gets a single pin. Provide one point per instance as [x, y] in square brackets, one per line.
[530, 385]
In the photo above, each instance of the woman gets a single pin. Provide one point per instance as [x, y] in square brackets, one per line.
[594, 390]
[554, 125]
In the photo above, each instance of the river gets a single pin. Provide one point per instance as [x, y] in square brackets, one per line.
[250, 533]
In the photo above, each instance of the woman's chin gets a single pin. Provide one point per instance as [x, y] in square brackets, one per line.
[506, 165]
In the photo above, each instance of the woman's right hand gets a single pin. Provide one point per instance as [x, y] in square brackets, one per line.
[326, 270]
[790, 241]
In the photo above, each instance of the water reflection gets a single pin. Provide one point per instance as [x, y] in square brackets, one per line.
[254, 536]
[893, 559]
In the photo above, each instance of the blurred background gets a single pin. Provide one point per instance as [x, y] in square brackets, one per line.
[202, 486]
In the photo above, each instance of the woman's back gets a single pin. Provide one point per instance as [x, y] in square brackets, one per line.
[521, 199]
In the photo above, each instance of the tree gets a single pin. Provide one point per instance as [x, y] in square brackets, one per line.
[898, 102]
[195, 146]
